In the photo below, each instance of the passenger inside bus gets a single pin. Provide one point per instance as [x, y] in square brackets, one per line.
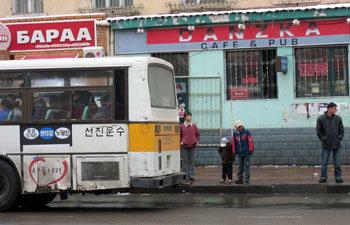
[17, 110]
[59, 106]
[5, 109]
[80, 105]
[39, 107]
[104, 111]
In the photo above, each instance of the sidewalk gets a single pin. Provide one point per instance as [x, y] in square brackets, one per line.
[268, 175]
[271, 179]
[264, 180]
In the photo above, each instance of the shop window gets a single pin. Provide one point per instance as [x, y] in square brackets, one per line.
[202, 1]
[112, 3]
[251, 74]
[321, 71]
[27, 6]
[181, 67]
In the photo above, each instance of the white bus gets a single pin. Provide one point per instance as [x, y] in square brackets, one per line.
[88, 124]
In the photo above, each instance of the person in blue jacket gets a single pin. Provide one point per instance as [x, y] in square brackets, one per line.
[243, 147]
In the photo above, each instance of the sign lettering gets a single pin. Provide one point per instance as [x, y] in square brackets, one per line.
[52, 35]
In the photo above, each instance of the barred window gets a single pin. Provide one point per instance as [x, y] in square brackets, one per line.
[202, 1]
[28, 6]
[37, 6]
[179, 61]
[100, 4]
[112, 3]
[321, 71]
[21, 7]
[251, 74]
[180, 64]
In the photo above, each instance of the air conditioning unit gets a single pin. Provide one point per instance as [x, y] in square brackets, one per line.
[93, 52]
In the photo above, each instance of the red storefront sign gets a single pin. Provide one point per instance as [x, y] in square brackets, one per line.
[52, 35]
[250, 80]
[238, 93]
[252, 31]
[5, 37]
[313, 69]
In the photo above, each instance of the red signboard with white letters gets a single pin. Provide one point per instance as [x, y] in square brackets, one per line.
[52, 35]
[252, 31]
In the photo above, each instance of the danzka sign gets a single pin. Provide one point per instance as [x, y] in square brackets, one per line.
[254, 35]
[52, 35]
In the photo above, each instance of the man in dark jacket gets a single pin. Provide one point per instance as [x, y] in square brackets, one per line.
[330, 132]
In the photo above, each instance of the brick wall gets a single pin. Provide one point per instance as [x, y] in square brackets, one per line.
[4, 55]
[284, 146]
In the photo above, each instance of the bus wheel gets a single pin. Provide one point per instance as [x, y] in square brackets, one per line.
[37, 201]
[9, 187]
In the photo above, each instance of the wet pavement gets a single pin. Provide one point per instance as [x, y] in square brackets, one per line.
[142, 209]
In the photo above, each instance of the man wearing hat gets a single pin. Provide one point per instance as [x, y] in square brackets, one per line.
[242, 145]
[330, 131]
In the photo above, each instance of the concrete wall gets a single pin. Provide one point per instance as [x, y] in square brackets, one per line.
[5, 8]
[284, 146]
[65, 6]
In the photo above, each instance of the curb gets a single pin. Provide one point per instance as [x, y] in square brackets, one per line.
[251, 189]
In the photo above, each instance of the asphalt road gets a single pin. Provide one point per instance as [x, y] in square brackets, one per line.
[201, 209]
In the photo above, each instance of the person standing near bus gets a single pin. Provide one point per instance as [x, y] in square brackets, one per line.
[243, 146]
[330, 131]
[189, 139]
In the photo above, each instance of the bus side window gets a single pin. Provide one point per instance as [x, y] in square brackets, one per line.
[120, 94]
[51, 105]
[10, 107]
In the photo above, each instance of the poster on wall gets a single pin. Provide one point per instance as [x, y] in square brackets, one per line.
[310, 109]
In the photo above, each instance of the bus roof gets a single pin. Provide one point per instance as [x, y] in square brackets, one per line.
[40, 64]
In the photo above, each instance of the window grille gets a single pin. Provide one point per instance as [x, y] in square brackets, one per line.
[321, 71]
[251, 74]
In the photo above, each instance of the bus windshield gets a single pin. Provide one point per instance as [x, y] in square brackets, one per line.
[161, 87]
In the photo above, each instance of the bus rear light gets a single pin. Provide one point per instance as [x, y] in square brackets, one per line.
[177, 129]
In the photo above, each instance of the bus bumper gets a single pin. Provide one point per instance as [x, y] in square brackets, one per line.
[158, 182]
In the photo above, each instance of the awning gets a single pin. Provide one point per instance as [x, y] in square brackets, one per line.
[234, 16]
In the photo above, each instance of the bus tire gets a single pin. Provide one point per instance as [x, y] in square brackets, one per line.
[37, 201]
[9, 186]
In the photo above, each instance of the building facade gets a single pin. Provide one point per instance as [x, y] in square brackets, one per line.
[274, 69]
[53, 36]
[15, 8]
